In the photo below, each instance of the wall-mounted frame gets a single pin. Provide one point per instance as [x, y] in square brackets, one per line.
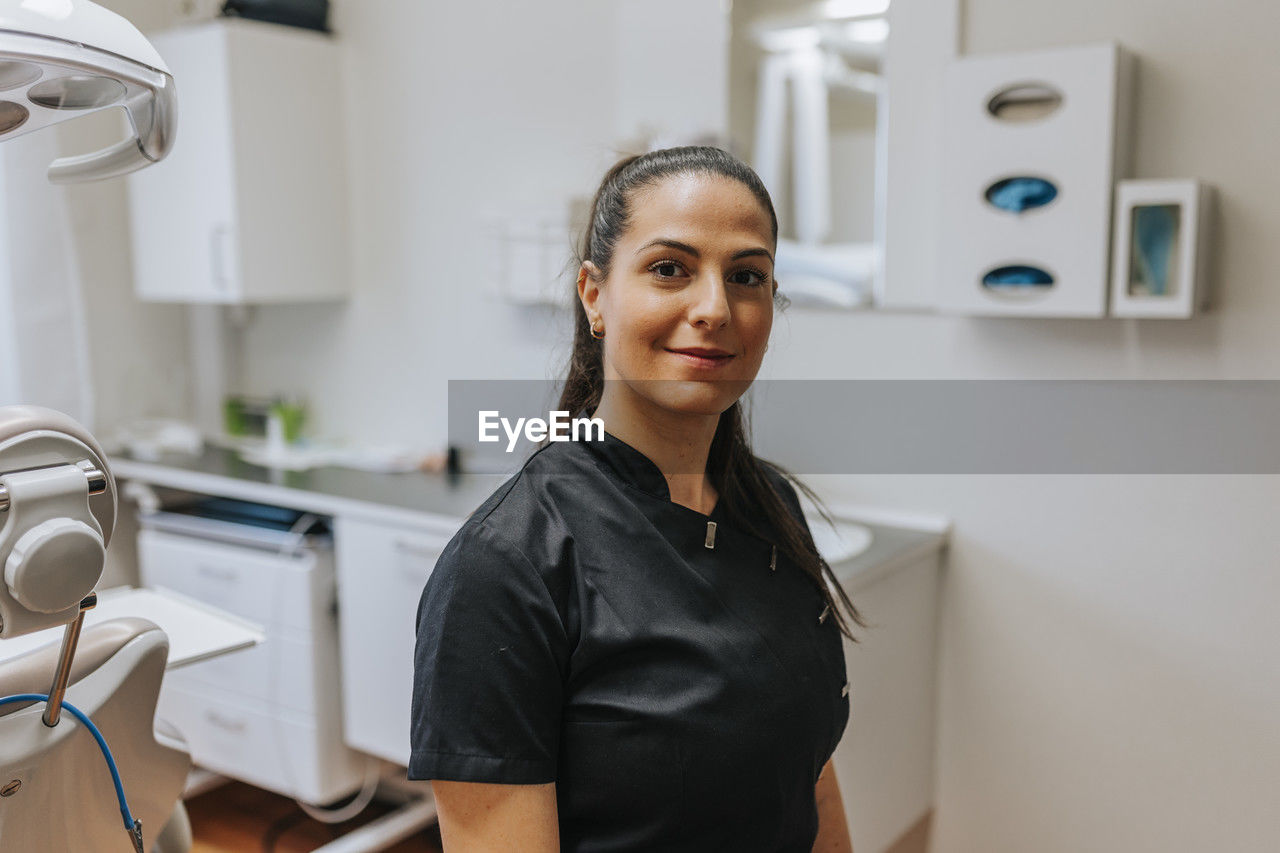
[1160, 248]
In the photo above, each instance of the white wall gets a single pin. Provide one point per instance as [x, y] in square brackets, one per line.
[1109, 661]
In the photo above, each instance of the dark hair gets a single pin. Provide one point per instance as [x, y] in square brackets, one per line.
[740, 478]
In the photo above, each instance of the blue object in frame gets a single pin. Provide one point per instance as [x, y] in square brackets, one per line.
[1017, 277]
[1155, 231]
[1021, 194]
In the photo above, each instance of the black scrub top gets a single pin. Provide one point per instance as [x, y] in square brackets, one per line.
[579, 630]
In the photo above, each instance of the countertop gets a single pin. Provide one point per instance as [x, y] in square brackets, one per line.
[891, 548]
[411, 498]
[440, 502]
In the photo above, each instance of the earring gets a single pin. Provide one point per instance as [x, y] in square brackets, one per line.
[593, 332]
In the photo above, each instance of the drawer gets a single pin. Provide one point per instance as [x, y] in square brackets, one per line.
[278, 671]
[285, 753]
[381, 572]
[269, 589]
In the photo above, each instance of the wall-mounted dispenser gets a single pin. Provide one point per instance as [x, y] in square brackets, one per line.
[1160, 249]
[1033, 143]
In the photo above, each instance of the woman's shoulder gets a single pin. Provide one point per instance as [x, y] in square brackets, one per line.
[489, 567]
[517, 523]
[551, 474]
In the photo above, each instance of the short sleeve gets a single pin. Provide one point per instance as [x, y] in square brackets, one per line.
[487, 681]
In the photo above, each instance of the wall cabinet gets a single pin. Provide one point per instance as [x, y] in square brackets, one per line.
[250, 206]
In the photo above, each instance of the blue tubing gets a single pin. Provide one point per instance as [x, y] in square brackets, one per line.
[97, 735]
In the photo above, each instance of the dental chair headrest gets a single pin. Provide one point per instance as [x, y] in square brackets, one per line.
[55, 526]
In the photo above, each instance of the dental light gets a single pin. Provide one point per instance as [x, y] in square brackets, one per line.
[61, 59]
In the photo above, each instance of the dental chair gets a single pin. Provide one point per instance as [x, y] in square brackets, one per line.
[58, 501]
[80, 753]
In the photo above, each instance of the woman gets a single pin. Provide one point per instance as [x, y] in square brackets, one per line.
[630, 645]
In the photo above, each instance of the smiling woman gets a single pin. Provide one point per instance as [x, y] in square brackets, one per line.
[630, 645]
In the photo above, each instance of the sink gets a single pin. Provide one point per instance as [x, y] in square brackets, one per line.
[841, 544]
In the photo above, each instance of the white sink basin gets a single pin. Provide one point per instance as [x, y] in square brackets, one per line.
[842, 544]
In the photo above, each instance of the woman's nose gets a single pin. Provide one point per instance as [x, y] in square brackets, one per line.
[710, 303]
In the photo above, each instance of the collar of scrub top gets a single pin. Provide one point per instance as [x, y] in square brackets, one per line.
[642, 473]
[632, 466]
[635, 468]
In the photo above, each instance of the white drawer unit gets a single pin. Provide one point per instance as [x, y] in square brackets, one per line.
[281, 671]
[264, 747]
[382, 569]
[258, 585]
[271, 715]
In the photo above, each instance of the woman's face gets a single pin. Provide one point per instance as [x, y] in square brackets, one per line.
[688, 303]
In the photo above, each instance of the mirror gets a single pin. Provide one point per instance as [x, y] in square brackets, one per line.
[806, 90]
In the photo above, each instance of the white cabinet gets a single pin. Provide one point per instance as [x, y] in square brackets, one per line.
[382, 570]
[885, 761]
[250, 206]
[269, 715]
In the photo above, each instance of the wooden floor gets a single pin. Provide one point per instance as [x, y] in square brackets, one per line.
[238, 818]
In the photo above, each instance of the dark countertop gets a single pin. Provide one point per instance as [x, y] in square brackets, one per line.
[327, 489]
[437, 500]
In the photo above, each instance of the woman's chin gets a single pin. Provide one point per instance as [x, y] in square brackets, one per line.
[696, 397]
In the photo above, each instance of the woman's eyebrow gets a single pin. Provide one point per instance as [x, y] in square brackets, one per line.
[685, 247]
[748, 253]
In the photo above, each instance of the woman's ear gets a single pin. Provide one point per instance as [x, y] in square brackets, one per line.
[588, 285]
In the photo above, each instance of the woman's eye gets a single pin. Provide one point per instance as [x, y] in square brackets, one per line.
[666, 269]
[748, 277]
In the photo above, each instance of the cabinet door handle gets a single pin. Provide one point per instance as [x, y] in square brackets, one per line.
[218, 256]
[223, 723]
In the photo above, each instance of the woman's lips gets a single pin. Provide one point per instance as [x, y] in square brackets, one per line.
[703, 359]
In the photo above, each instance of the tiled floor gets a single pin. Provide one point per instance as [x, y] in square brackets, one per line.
[238, 818]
